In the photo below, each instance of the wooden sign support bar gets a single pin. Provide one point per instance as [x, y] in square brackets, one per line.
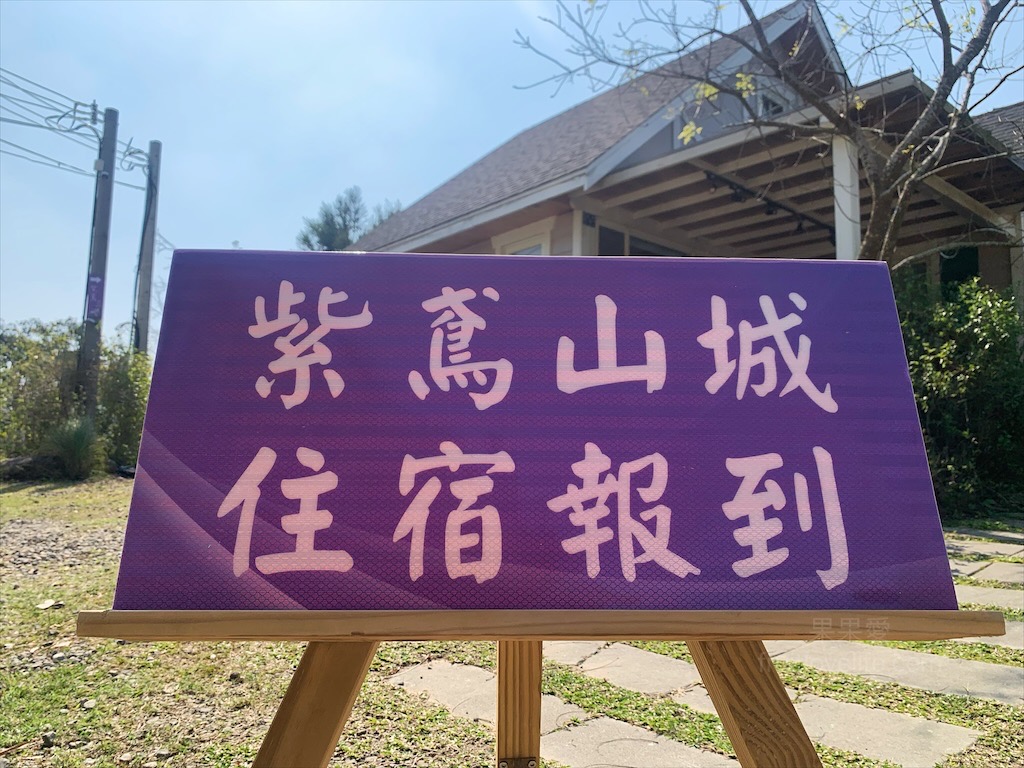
[539, 625]
[726, 646]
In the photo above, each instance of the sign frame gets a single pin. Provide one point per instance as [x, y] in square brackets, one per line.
[727, 648]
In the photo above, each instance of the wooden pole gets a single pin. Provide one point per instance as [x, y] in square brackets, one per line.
[519, 670]
[316, 706]
[144, 283]
[755, 709]
[92, 319]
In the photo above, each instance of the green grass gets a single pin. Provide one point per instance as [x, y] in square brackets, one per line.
[100, 501]
[993, 654]
[1000, 746]
[210, 703]
[664, 716]
[1010, 614]
[967, 581]
[1012, 525]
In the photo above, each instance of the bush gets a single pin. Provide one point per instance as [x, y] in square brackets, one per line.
[39, 411]
[963, 346]
[77, 447]
[121, 408]
[37, 368]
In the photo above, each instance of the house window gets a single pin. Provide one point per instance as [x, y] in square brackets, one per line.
[617, 242]
[638, 247]
[611, 242]
[769, 107]
[531, 240]
[768, 100]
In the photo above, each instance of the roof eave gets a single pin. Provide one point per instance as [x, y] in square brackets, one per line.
[549, 191]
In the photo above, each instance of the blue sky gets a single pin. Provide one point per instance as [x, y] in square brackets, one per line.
[264, 109]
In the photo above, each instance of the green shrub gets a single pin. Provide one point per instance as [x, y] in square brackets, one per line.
[963, 346]
[37, 368]
[40, 413]
[121, 407]
[76, 446]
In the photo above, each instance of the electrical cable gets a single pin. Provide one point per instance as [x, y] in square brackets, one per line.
[9, 73]
[19, 112]
[50, 162]
[56, 164]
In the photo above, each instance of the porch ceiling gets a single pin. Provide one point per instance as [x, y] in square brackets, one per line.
[772, 197]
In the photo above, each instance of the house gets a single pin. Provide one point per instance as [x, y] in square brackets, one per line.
[611, 176]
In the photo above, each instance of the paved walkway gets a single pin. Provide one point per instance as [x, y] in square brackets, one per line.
[578, 739]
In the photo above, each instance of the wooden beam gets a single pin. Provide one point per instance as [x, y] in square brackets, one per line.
[753, 705]
[966, 205]
[317, 705]
[955, 199]
[363, 626]
[737, 164]
[519, 672]
[693, 220]
[654, 189]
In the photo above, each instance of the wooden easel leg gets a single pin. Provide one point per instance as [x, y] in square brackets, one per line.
[761, 721]
[519, 668]
[316, 706]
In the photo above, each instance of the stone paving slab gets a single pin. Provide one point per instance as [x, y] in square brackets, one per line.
[571, 652]
[877, 733]
[639, 670]
[1003, 598]
[985, 548]
[1011, 573]
[909, 741]
[603, 742]
[471, 692]
[695, 697]
[930, 672]
[466, 691]
[1014, 637]
[966, 567]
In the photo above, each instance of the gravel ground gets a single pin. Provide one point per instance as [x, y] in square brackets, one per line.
[27, 544]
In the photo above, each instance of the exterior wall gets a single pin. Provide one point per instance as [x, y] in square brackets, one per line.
[713, 121]
[553, 233]
[994, 266]
[483, 246]
[561, 236]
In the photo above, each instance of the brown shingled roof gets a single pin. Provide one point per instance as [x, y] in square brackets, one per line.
[557, 148]
[1006, 125]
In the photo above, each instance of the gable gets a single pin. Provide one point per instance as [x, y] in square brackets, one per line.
[559, 150]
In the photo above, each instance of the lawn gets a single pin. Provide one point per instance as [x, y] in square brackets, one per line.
[69, 701]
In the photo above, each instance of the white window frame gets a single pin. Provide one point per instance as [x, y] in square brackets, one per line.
[525, 237]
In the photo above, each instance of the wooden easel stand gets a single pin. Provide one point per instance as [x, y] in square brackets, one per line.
[727, 648]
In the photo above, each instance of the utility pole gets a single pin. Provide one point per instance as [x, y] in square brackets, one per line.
[144, 283]
[89, 352]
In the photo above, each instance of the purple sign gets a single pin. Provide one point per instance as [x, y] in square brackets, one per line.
[94, 299]
[378, 431]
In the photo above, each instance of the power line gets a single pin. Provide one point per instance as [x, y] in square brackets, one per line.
[9, 73]
[50, 162]
[55, 164]
[131, 157]
[165, 244]
[45, 126]
[71, 109]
